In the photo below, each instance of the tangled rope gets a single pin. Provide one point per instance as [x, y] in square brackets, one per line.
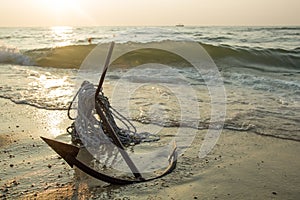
[87, 124]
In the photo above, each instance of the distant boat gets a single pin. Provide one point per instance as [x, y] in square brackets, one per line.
[179, 25]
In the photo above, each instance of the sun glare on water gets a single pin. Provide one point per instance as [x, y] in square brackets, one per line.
[62, 35]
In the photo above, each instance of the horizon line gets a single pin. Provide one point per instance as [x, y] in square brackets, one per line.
[188, 25]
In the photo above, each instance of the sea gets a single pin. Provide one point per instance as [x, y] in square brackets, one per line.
[257, 70]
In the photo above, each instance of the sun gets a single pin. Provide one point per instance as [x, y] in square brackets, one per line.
[60, 12]
[59, 6]
[63, 12]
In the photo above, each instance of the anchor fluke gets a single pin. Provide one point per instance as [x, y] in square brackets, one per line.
[66, 151]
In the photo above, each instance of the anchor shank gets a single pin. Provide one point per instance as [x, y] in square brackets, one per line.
[117, 142]
[105, 69]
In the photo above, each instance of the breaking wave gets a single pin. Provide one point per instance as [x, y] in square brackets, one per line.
[256, 58]
[11, 55]
[224, 55]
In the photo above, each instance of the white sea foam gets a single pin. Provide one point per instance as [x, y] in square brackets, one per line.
[12, 55]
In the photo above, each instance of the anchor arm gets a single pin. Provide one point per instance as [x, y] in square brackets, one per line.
[69, 152]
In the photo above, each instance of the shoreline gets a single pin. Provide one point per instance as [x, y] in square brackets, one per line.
[242, 165]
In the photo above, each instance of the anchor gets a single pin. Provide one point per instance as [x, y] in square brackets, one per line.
[69, 152]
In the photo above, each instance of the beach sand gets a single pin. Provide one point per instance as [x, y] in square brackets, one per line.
[242, 165]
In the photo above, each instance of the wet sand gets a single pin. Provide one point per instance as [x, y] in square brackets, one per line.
[243, 165]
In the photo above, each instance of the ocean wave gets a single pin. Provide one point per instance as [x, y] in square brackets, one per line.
[47, 88]
[60, 57]
[72, 56]
[37, 104]
[256, 58]
[275, 28]
[265, 59]
[11, 55]
[216, 39]
[270, 84]
[5, 37]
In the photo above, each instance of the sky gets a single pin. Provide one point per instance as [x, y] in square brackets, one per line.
[17, 13]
